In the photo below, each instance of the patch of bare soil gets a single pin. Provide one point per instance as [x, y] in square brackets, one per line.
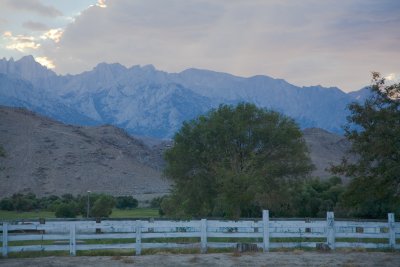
[222, 259]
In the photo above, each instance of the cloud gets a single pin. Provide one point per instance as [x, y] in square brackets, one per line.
[393, 77]
[44, 61]
[33, 6]
[21, 43]
[3, 22]
[53, 34]
[101, 3]
[7, 34]
[309, 42]
[34, 26]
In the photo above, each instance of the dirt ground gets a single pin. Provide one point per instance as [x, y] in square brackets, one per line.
[221, 259]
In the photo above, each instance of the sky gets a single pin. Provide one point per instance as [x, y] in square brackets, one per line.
[308, 42]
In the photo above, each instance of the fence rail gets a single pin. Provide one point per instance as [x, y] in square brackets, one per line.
[202, 234]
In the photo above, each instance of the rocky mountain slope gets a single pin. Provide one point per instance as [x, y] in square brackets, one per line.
[325, 149]
[149, 102]
[48, 157]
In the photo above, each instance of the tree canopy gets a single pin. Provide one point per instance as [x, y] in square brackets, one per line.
[234, 161]
[374, 130]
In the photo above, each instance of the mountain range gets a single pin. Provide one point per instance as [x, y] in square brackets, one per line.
[145, 101]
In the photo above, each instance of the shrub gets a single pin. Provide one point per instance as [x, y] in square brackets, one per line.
[156, 202]
[6, 204]
[54, 205]
[316, 197]
[126, 202]
[66, 210]
[49, 203]
[23, 202]
[103, 206]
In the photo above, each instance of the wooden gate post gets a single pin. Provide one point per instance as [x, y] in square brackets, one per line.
[392, 233]
[330, 229]
[72, 239]
[265, 230]
[5, 239]
[138, 238]
[203, 235]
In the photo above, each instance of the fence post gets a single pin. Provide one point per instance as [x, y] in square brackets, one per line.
[72, 239]
[265, 230]
[138, 237]
[203, 235]
[330, 229]
[392, 233]
[5, 239]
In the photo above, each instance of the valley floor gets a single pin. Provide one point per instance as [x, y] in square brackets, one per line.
[293, 258]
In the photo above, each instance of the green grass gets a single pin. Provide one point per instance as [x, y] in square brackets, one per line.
[15, 215]
[234, 239]
[34, 215]
[297, 239]
[109, 241]
[363, 240]
[135, 213]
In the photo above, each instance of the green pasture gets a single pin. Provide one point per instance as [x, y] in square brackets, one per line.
[117, 213]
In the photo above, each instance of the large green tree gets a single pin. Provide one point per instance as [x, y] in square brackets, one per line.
[374, 130]
[234, 161]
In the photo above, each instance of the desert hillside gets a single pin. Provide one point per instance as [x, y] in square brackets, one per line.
[48, 157]
[326, 149]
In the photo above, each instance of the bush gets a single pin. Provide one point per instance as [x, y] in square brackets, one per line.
[67, 198]
[316, 197]
[6, 204]
[54, 205]
[103, 206]
[26, 202]
[126, 202]
[49, 203]
[67, 206]
[66, 210]
[156, 202]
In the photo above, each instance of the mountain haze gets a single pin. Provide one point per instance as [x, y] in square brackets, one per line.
[145, 101]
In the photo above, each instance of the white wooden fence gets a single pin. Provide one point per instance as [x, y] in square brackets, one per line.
[267, 234]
